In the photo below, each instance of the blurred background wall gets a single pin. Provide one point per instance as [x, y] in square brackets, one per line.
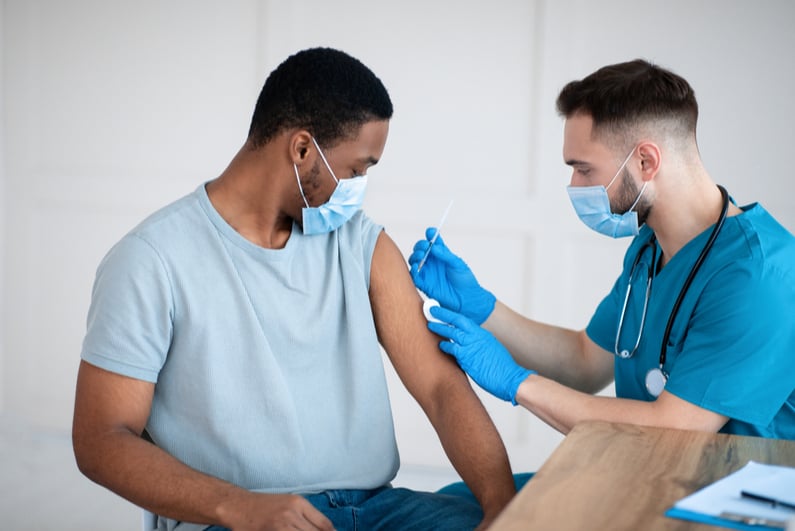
[111, 109]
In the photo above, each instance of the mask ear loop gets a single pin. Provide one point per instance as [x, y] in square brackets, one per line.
[616, 177]
[638, 199]
[619, 170]
[300, 188]
[322, 156]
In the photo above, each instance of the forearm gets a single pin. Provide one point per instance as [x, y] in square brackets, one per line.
[150, 478]
[473, 445]
[557, 353]
[562, 408]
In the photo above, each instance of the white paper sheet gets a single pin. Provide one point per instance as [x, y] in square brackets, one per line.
[723, 496]
[778, 485]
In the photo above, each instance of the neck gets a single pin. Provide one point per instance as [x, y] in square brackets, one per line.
[249, 196]
[685, 209]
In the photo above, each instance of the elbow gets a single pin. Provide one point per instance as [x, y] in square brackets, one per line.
[91, 451]
[84, 457]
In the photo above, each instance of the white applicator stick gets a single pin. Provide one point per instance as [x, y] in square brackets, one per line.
[433, 240]
[429, 303]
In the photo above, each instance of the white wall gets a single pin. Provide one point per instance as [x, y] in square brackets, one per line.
[112, 109]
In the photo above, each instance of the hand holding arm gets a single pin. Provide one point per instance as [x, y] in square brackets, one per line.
[448, 279]
[479, 354]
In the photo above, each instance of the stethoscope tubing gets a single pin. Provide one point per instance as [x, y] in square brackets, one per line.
[699, 262]
[662, 377]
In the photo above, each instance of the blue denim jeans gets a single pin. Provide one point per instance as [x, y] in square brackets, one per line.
[388, 508]
[460, 488]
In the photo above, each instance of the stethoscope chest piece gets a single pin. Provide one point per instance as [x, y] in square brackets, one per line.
[655, 381]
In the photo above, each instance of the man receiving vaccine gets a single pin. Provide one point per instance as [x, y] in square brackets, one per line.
[231, 374]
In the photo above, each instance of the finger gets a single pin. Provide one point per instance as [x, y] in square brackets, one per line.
[441, 329]
[453, 318]
[421, 246]
[441, 252]
[448, 347]
[420, 279]
[416, 258]
[419, 254]
[317, 519]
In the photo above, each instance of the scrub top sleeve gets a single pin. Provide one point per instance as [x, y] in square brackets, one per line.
[735, 358]
[129, 326]
[603, 325]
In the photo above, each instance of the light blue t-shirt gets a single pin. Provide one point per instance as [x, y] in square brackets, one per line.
[267, 366]
[732, 346]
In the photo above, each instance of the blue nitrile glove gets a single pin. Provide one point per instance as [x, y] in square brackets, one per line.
[479, 353]
[448, 279]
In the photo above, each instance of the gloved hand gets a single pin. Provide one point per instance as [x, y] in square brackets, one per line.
[448, 279]
[479, 353]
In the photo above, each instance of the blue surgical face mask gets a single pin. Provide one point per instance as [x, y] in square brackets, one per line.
[344, 202]
[592, 205]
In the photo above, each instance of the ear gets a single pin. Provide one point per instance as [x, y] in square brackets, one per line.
[300, 146]
[650, 160]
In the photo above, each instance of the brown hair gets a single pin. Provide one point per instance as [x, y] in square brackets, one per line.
[622, 96]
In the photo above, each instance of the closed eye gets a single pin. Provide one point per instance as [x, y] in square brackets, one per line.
[582, 170]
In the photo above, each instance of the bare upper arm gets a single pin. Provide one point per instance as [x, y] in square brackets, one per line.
[401, 326]
[106, 401]
[674, 412]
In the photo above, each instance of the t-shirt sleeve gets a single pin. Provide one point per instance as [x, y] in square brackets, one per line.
[366, 232]
[129, 324]
[735, 358]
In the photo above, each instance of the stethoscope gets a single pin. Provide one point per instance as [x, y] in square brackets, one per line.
[656, 377]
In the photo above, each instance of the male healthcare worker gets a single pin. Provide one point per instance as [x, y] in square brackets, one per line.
[699, 329]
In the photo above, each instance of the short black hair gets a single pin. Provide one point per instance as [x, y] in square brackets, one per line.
[621, 96]
[325, 91]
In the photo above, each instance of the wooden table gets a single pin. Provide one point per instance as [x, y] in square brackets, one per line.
[607, 476]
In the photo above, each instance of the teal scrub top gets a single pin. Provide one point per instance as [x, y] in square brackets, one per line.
[732, 345]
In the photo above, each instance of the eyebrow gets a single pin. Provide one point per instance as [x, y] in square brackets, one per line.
[371, 161]
[576, 162]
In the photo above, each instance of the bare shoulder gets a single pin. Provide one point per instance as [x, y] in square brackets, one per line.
[391, 288]
[388, 262]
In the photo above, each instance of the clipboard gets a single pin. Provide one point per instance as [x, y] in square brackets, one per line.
[723, 504]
